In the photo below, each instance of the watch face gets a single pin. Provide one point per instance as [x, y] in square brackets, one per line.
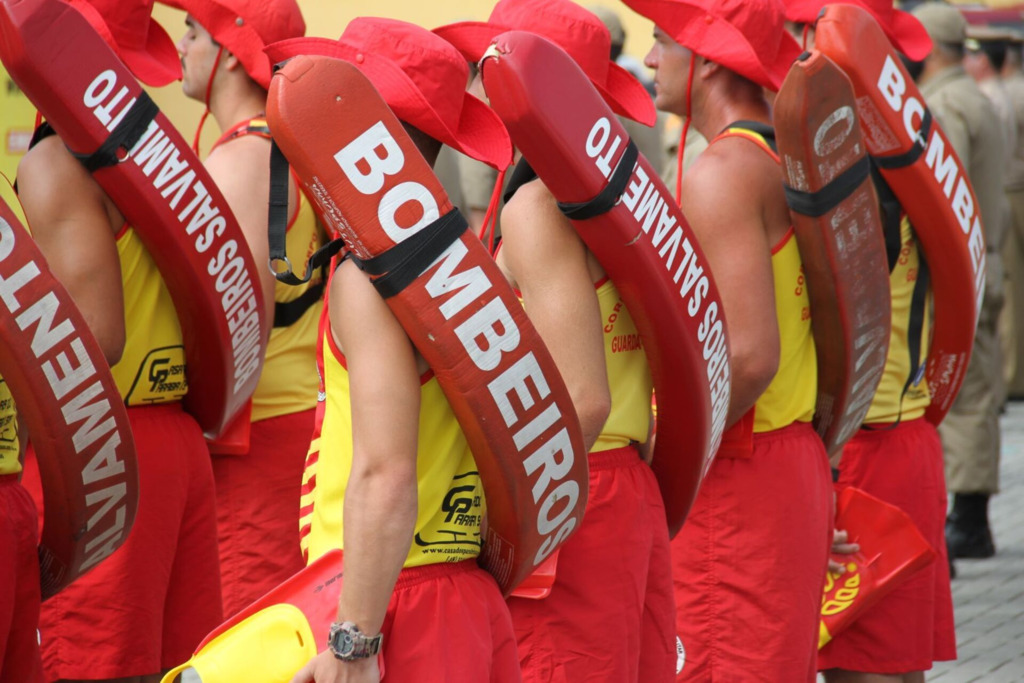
[345, 643]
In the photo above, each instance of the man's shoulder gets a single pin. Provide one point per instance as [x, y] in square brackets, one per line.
[529, 199]
[246, 154]
[50, 165]
[727, 161]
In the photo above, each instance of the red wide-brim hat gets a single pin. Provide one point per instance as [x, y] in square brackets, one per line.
[576, 30]
[424, 87]
[245, 27]
[745, 36]
[903, 29]
[140, 42]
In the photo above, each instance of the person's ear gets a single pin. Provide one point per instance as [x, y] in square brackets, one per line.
[230, 61]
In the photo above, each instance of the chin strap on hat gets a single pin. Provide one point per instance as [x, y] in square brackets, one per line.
[686, 129]
[206, 101]
[491, 217]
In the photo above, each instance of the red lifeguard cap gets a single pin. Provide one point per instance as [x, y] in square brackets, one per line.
[902, 28]
[245, 27]
[139, 41]
[746, 36]
[421, 77]
[576, 30]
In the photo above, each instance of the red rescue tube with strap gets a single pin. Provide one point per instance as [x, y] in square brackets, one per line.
[376, 191]
[838, 229]
[68, 400]
[90, 98]
[643, 242]
[920, 165]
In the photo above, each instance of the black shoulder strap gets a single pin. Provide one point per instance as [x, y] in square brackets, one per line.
[916, 150]
[287, 313]
[915, 328]
[397, 267]
[819, 203]
[892, 216]
[43, 131]
[763, 129]
[121, 140]
[521, 174]
[602, 203]
[609, 196]
[277, 227]
[124, 137]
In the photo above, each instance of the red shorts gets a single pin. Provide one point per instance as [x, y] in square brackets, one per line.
[19, 585]
[258, 508]
[610, 615]
[148, 605]
[749, 564]
[447, 623]
[913, 625]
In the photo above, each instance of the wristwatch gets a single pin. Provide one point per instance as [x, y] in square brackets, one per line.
[348, 643]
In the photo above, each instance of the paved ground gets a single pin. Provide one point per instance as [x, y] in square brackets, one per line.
[989, 594]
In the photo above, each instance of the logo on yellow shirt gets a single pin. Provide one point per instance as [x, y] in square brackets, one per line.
[8, 424]
[456, 531]
[161, 377]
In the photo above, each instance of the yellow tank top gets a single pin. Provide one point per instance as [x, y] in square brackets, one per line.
[629, 377]
[152, 368]
[451, 502]
[886, 406]
[288, 383]
[9, 444]
[791, 395]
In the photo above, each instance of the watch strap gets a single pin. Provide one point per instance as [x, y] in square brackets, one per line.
[348, 643]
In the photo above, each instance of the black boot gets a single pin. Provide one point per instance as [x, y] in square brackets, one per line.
[967, 530]
[949, 556]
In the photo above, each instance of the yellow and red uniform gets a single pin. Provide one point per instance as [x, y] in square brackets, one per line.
[164, 578]
[10, 449]
[19, 563]
[749, 564]
[897, 457]
[258, 492]
[449, 494]
[446, 621]
[620, 553]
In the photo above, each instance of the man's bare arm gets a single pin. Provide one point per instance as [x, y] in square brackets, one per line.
[381, 496]
[241, 169]
[720, 201]
[75, 225]
[549, 263]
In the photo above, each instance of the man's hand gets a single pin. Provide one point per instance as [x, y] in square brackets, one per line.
[840, 546]
[326, 668]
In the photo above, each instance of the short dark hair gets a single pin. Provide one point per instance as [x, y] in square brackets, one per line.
[995, 50]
